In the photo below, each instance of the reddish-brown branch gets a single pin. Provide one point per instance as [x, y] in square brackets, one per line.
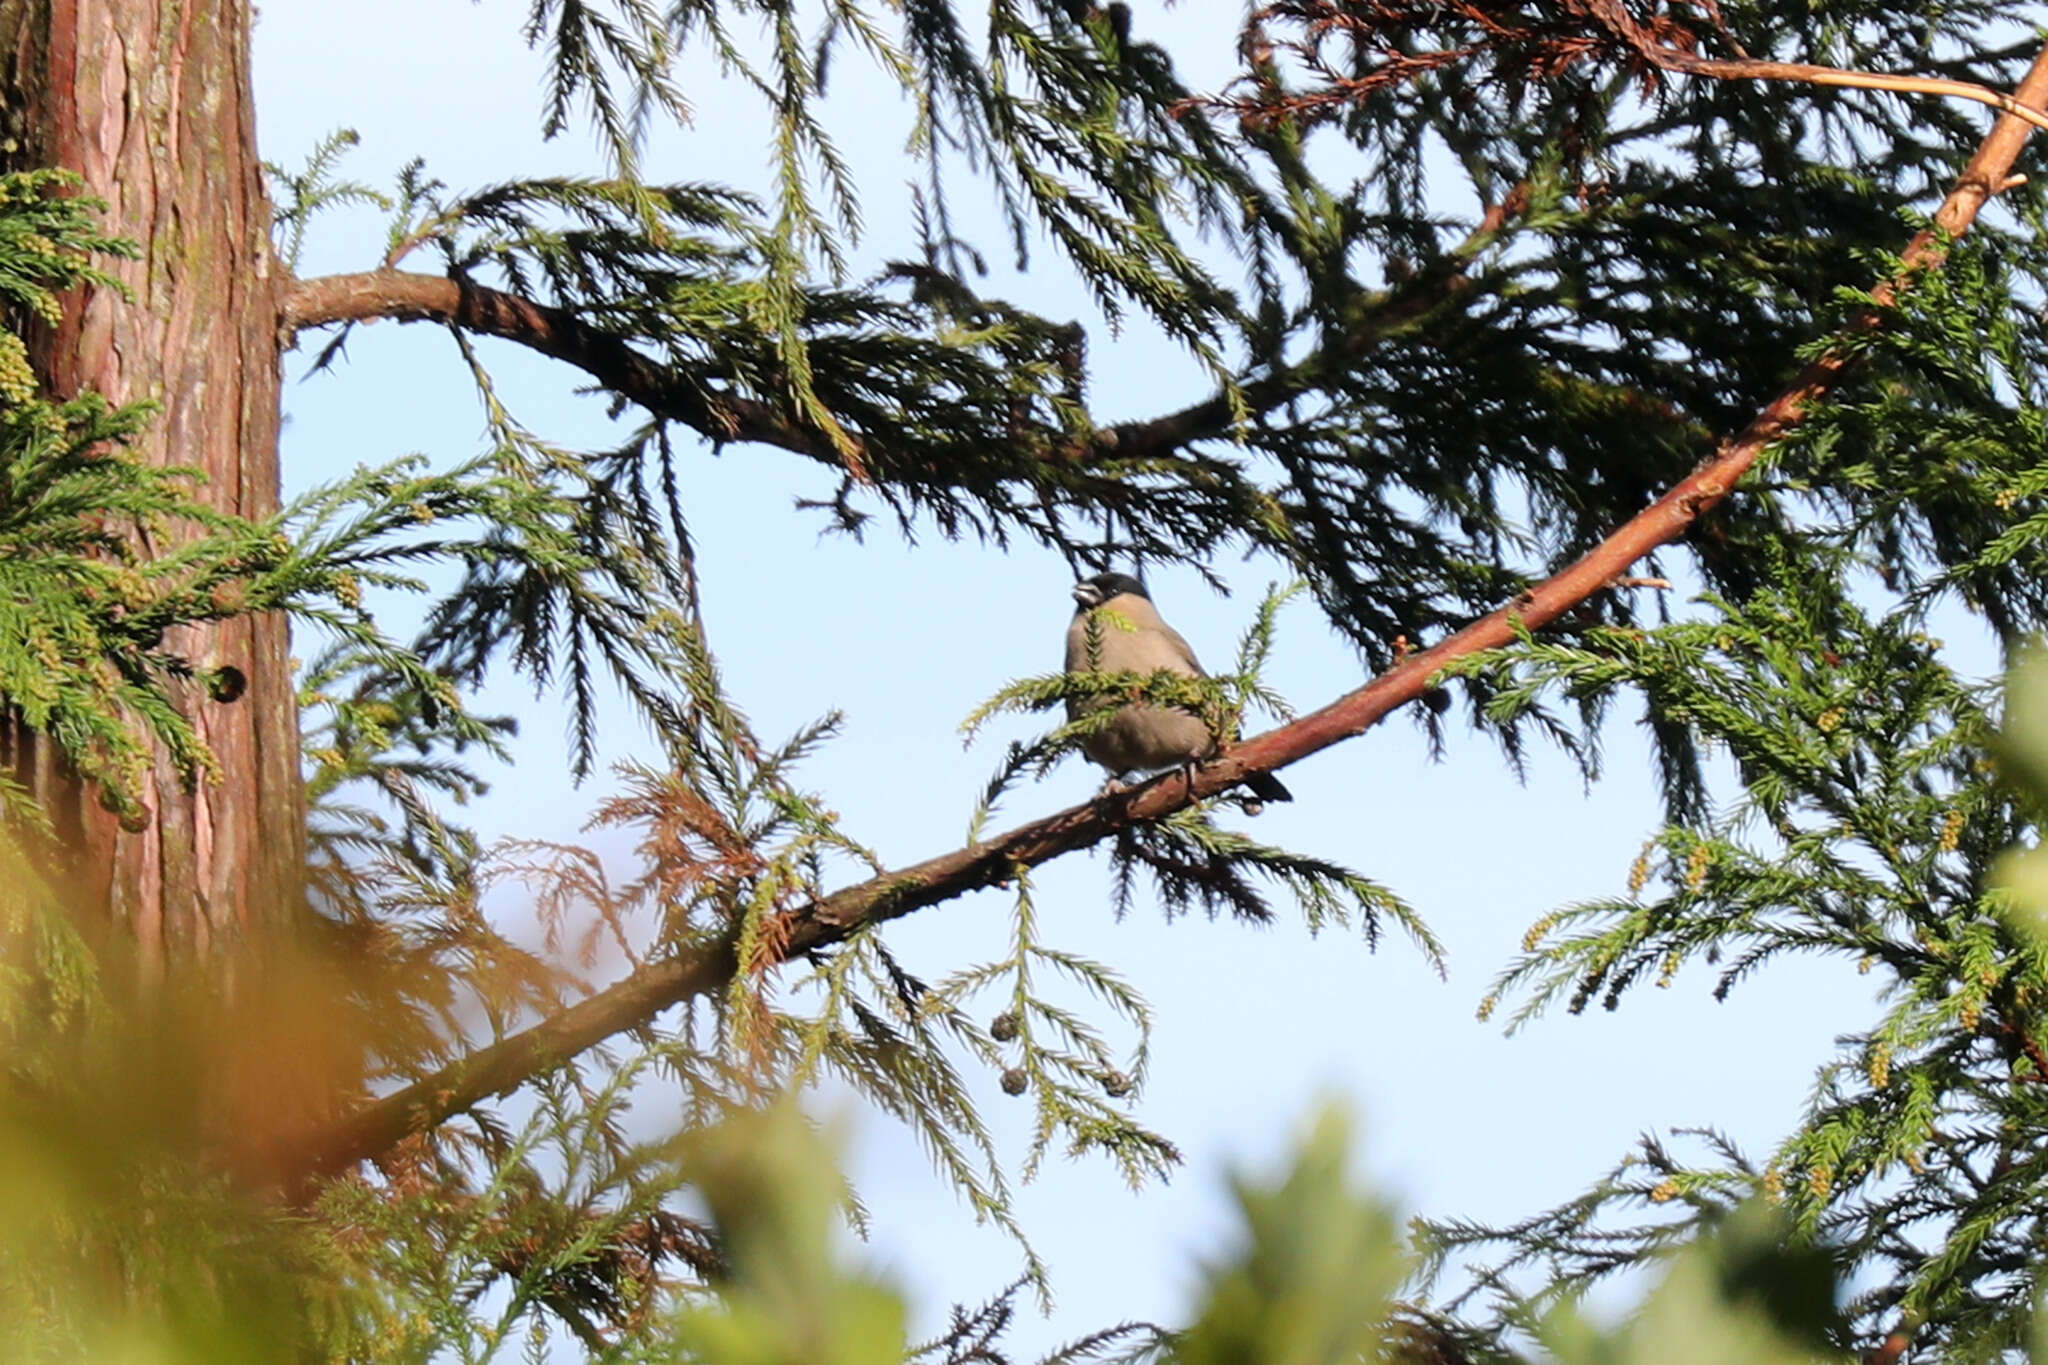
[2030, 1048]
[151, 104]
[1888, 1351]
[403, 296]
[643, 995]
[407, 297]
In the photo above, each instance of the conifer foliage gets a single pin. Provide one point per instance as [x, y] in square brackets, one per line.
[1492, 301]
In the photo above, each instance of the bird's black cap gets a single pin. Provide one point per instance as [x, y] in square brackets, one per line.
[1093, 592]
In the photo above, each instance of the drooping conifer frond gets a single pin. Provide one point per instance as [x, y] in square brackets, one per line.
[1868, 820]
[303, 195]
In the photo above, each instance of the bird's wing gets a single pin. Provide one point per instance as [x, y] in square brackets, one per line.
[1077, 645]
[1184, 651]
[1137, 642]
[1148, 649]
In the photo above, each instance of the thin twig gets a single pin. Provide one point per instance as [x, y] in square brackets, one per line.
[1752, 69]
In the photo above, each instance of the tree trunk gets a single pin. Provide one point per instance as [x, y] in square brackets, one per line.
[150, 101]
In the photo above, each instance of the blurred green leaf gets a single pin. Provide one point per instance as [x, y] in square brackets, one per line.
[1320, 1263]
[2023, 754]
[1744, 1292]
[775, 1191]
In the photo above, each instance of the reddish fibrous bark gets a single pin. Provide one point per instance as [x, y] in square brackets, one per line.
[150, 102]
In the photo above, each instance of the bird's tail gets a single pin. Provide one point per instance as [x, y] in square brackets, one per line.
[1267, 787]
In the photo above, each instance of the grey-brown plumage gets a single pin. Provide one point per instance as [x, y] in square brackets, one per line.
[1142, 736]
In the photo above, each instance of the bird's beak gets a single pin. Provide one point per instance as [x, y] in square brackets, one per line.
[1084, 593]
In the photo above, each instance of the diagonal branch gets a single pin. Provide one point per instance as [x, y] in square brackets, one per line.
[638, 999]
[1220, 412]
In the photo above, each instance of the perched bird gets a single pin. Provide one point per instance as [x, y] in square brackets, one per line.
[1142, 736]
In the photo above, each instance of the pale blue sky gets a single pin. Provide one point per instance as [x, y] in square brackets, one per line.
[1256, 1025]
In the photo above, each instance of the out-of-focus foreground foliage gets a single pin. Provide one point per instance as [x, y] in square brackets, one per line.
[1415, 396]
[171, 1275]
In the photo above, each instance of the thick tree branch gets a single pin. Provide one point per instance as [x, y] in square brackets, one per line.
[405, 296]
[638, 999]
[408, 297]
